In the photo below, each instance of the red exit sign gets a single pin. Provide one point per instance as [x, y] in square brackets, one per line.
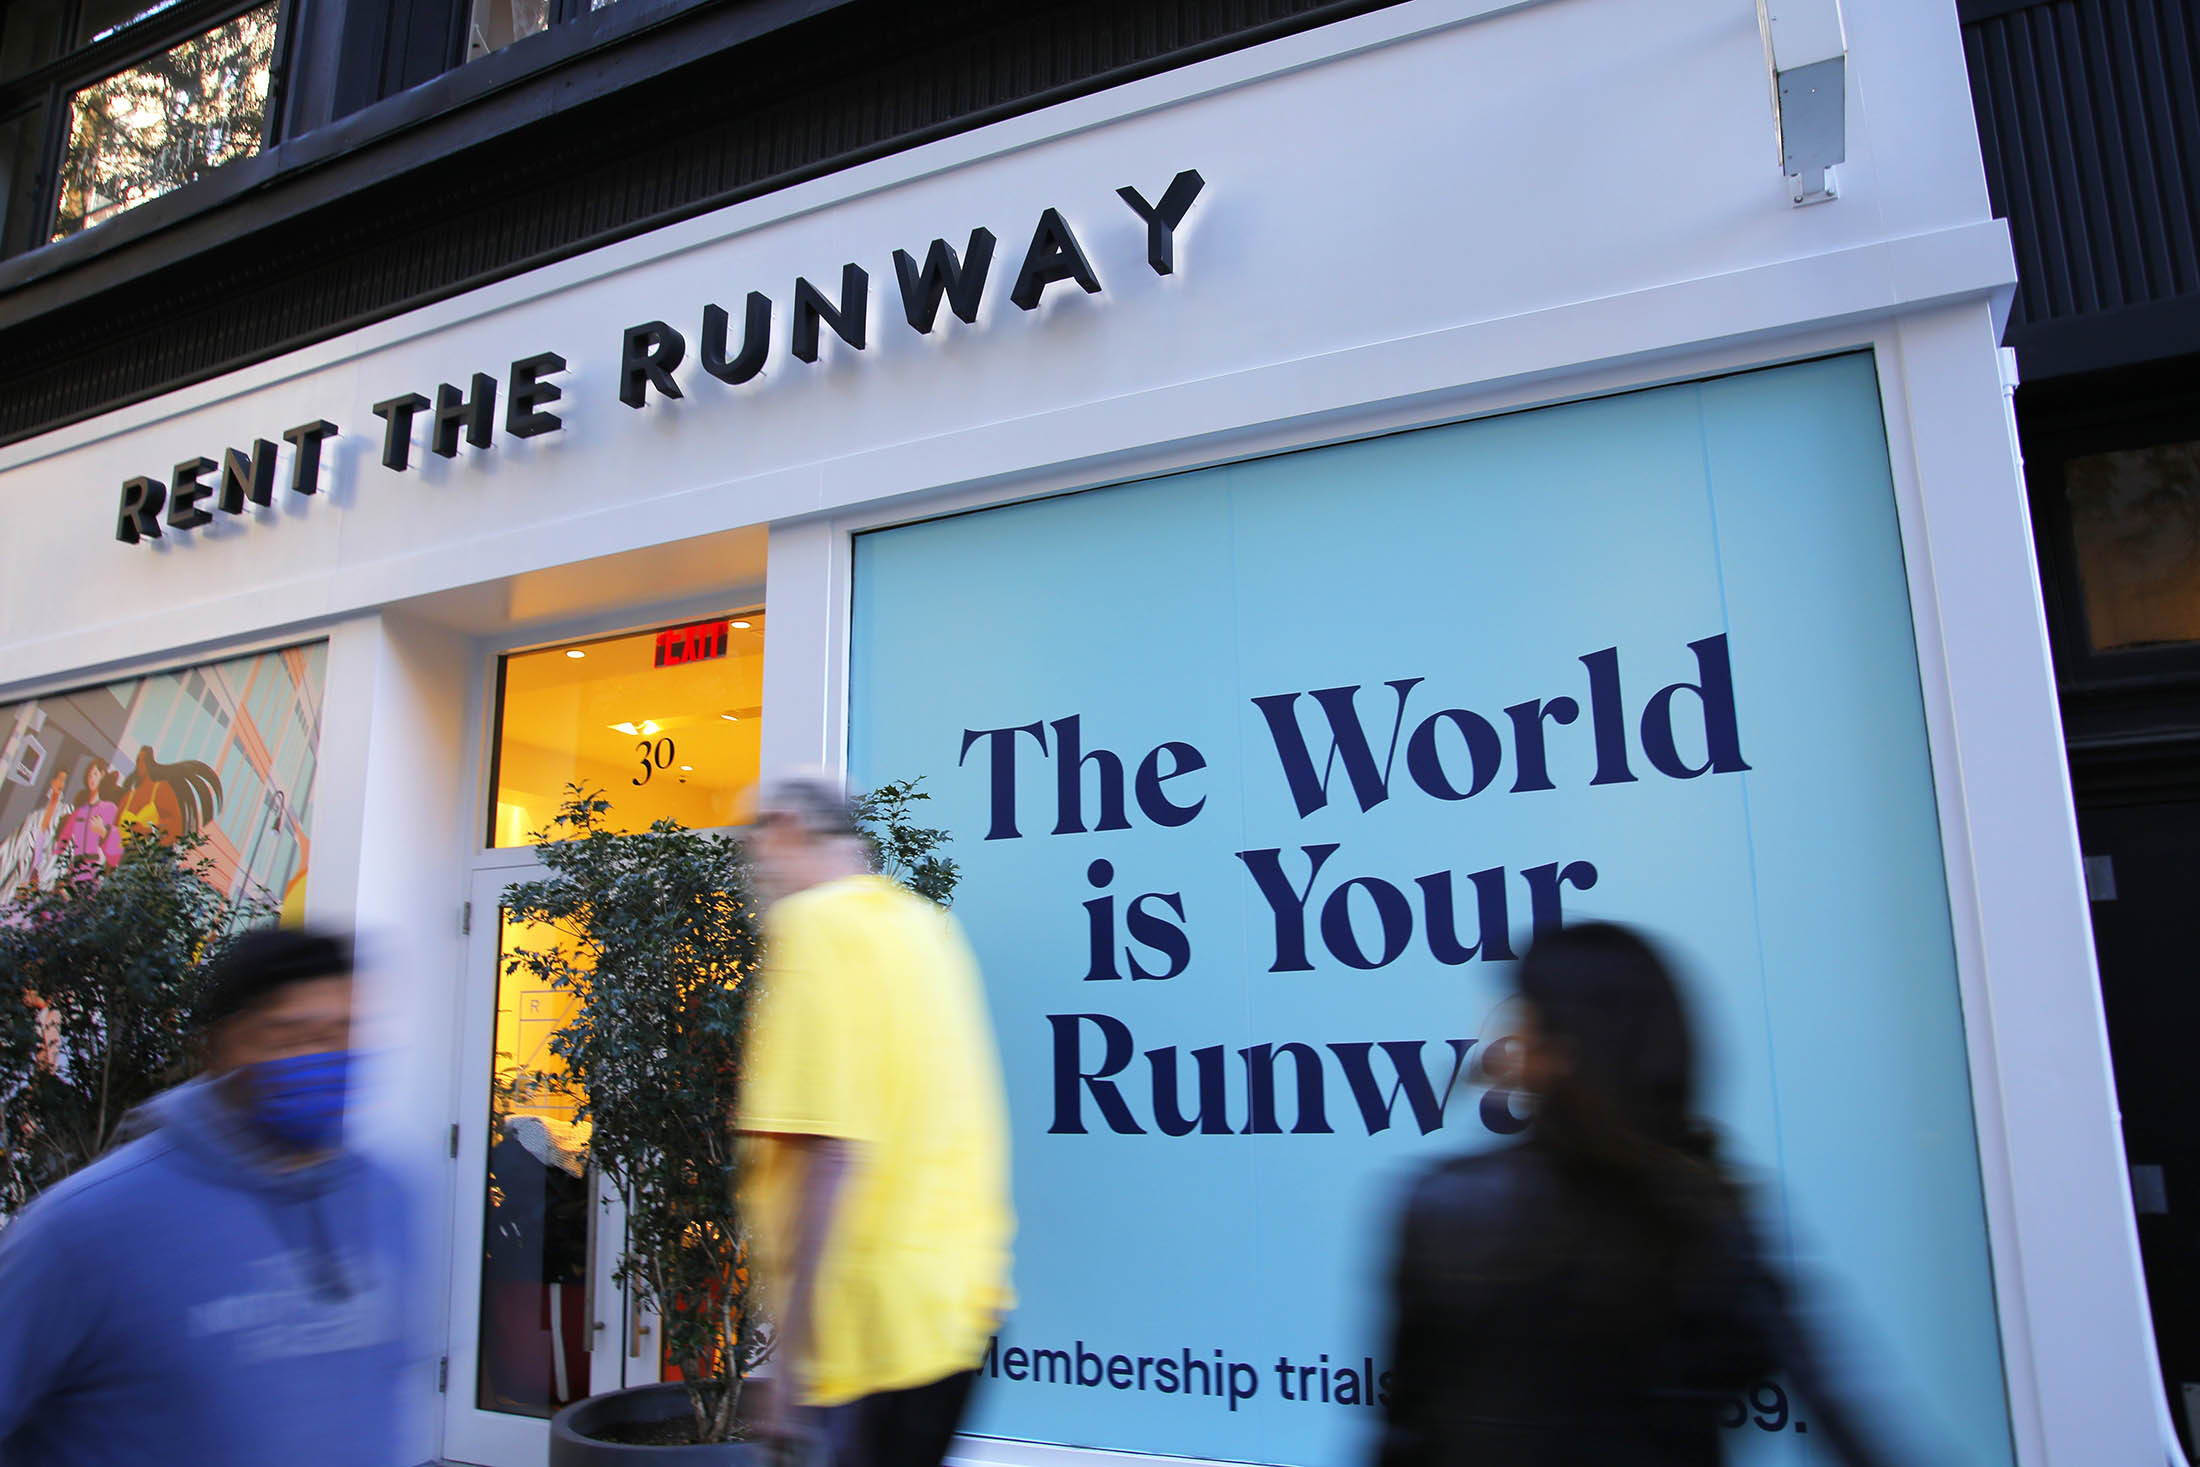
[698, 643]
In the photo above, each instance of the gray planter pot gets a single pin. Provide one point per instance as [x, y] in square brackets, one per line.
[572, 1445]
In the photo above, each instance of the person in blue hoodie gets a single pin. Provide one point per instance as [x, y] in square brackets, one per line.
[230, 1289]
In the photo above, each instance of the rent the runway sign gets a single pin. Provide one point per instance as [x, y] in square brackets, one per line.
[1262, 777]
[199, 491]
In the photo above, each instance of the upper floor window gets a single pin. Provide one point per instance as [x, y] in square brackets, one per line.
[105, 104]
[2135, 525]
[494, 24]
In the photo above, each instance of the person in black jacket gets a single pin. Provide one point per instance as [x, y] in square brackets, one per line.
[1597, 1293]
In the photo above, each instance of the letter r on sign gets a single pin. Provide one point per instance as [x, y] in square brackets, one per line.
[142, 502]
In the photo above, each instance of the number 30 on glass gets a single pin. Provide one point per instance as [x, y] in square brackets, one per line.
[655, 756]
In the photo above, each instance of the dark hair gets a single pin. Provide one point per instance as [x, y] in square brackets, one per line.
[1603, 994]
[264, 959]
[197, 788]
[110, 785]
[1617, 1116]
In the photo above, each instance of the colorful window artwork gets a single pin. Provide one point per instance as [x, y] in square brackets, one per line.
[224, 752]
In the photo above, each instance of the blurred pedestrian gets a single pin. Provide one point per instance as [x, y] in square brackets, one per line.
[877, 1141]
[1595, 1294]
[224, 1291]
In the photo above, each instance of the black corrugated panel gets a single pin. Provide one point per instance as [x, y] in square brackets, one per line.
[2089, 123]
[860, 80]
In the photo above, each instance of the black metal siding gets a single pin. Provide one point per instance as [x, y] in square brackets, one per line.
[2089, 125]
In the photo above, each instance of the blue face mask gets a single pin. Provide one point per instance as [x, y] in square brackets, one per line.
[299, 1102]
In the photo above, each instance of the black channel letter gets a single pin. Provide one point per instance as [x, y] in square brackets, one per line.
[961, 282]
[523, 414]
[247, 478]
[1163, 218]
[142, 499]
[396, 414]
[305, 469]
[756, 340]
[1054, 255]
[186, 487]
[646, 359]
[848, 319]
[476, 413]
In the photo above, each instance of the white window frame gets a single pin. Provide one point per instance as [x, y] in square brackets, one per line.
[2077, 1340]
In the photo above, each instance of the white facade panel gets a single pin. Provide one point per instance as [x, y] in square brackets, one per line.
[1440, 210]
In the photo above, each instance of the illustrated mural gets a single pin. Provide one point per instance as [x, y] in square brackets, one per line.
[227, 752]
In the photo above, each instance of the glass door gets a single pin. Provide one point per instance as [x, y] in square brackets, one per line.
[538, 1317]
[663, 723]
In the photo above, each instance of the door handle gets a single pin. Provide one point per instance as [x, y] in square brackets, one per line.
[588, 1291]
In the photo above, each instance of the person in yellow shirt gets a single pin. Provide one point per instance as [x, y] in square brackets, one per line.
[876, 1140]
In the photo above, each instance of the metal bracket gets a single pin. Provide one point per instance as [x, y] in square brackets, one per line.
[1806, 57]
[1812, 136]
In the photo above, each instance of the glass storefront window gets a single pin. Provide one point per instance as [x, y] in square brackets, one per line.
[166, 121]
[664, 722]
[177, 754]
[2135, 517]
[535, 1335]
[1754, 514]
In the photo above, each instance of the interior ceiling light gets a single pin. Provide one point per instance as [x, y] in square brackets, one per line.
[740, 626]
[575, 652]
[645, 729]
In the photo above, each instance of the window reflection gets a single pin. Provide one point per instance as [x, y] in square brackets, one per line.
[166, 121]
[665, 722]
[535, 1334]
[492, 25]
[99, 19]
[496, 24]
[2135, 517]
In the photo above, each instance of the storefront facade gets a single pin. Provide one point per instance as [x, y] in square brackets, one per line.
[1312, 518]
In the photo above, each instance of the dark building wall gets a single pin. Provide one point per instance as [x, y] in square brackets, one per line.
[2089, 123]
[2089, 127]
[710, 103]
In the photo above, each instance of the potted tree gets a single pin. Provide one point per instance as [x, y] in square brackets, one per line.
[100, 975]
[659, 944]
